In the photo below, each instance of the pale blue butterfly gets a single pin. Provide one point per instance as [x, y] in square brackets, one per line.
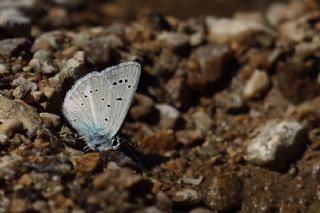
[97, 104]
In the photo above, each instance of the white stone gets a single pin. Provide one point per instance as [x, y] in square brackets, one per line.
[277, 144]
[256, 85]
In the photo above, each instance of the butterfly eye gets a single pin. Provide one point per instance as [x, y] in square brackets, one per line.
[115, 144]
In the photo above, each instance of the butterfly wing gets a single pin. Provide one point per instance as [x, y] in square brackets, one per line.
[87, 104]
[123, 79]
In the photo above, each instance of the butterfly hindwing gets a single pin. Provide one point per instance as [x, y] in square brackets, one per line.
[87, 104]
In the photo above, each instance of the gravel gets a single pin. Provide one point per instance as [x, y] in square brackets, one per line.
[225, 118]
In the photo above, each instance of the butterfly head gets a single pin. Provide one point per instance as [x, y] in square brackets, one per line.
[103, 142]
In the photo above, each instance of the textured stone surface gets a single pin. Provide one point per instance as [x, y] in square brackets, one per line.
[277, 144]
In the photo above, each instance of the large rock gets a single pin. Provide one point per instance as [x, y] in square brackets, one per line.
[277, 144]
[18, 111]
[10, 109]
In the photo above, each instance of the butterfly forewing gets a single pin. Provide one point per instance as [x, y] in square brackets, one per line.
[123, 80]
[87, 105]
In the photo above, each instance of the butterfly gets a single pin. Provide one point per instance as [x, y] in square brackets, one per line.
[97, 104]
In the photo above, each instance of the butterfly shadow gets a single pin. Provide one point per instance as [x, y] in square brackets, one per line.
[146, 161]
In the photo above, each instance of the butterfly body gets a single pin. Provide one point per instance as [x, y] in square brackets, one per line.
[97, 104]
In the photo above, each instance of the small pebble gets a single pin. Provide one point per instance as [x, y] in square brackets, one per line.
[159, 142]
[142, 107]
[177, 42]
[169, 116]
[48, 68]
[4, 69]
[10, 126]
[3, 139]
[20, 92]
[37, 95]
[178, 93]
[35, 65]
[224, 29]
[13, 46]
[197, 39]
[202, 121]
[256, 85]
[192, 180]
[71, 69]
[26, 84]
[42, 55]
[87, 163]
[50, 120]
[189, 137]
[201, 210]
[99, 49]
[187, 196]
[212, 60]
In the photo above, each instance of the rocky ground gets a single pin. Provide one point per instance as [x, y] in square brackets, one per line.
[225, 119]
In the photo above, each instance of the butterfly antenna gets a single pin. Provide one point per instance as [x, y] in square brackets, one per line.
[129, 145]
[129, 142]
[82, 137]
[86, 149]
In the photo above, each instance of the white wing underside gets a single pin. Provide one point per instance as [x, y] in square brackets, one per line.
[101, 100]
